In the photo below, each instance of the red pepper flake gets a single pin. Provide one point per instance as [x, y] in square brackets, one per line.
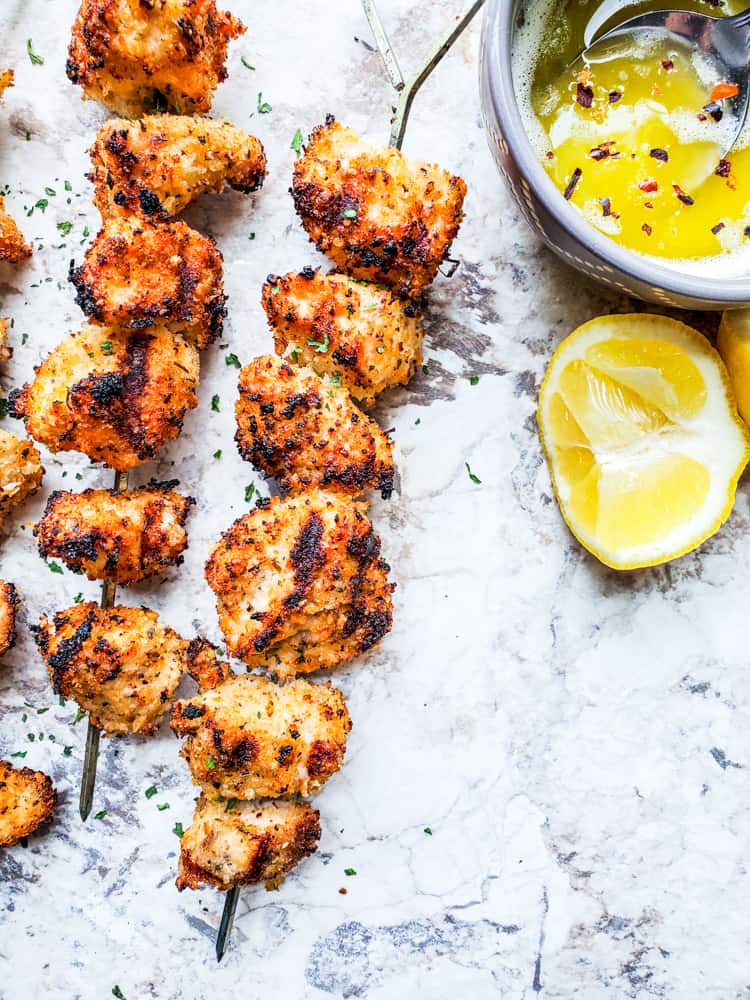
[343, 890]
[717, 228]
[684, 198]
[574, 179]
[615, 96]
[649, 185]
[646, 229]
[702, 118]
[660, 154]
[648, 204]
[550, 155]
[606, 206]
[724, 168]
[667, 65]
[722, 91]
[584, 95]
[714, 110]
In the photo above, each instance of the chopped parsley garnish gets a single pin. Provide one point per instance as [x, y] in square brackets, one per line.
[36, 60]
[65, 227]
[210, 763]
[231, 803]
[349, 213]
[41, 711]
[79, 715]
[54, 567]
[296, 143]
[425, 370]
[217, 453]
[162, 806]
[67, 751]
[263, 106]
[51, 192]
[215, 402]
[150, 792]
[19, 753]
[428, 831]
[117, 992]
[106, 347]
[61, 701]
[101, 814]
[68, 186]
[41, 204]
[473, 379]
[249, 492]
[472, 477]
[233, 360]
[349, 871]
[246, 64]
[336, 379]
[177, 830]
[321, 346]
[78, 599]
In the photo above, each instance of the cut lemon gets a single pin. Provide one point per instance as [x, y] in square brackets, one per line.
[734, 347]
[641, 432]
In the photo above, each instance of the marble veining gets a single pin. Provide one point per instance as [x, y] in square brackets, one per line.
[546, 788]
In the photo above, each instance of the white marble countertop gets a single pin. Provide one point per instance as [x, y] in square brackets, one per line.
[576, 740]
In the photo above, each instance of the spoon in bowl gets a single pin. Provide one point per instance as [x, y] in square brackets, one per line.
[725, 41]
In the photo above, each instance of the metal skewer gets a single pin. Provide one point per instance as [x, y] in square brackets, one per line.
[91, 756]
[398, 128]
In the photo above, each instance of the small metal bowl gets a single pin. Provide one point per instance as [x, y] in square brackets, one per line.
[558, 223]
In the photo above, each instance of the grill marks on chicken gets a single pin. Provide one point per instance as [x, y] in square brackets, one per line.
[250, 738]
[134, 56]
[124, 537]
[358, 333]
[305, 431]
[27, 800]
[249, 843]
[138, 273]
[10, 602]
[300, 584]
[375, 213]
[156, 166]
[119, 664]
[21, 472]
[115, 395]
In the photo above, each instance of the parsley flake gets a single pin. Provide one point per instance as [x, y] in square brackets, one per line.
[54, 567]
[65, 227]
[296, 143]
[215, 399]
[246, 64]
[177, 830]
[472, 477]
[321, 346]
[101, 814]
[150, 792]
[36, 60]
[233, 360]
[249, 492]
[349, 871]
[263, 106]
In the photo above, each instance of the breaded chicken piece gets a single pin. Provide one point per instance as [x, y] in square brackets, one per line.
[376, 214]
[300, 585]
[305, 431]
[6, 80]
[118, 664]
[27, 800]
[115, 395]
[13, 247]
[138, 273]
[6, 351]
[251, 842]
[158, 165]
[10, 602]
[204, 665]
[250, 738]
[356, 332]
[143, 55]
[21, 472]
[123, 537]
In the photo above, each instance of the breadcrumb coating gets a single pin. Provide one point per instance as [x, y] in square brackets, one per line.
[6, 351]
[10, 602]
[143, 55]
[357, 332]
[21, 472]
[13, 247]
[118, 664]
[300, 585]
[156, 166]
[305, 431]
[375, 213]
[251, 842]
[27, 800]
[115, 395]
[124, 537]
[138, 273]
[251, 738]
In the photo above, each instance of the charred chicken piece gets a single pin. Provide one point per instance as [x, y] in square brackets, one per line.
[9, 605]
[124, 537]
[21, 472]
[250, 738]
[376, 214]
[138, 273]
[305, 431]
[118, 664]
[13, 247]
[27, 800]
[115, 395]
[156, 166]
[251, 842]
[135, 56]
[300, 584]
[205, 667]
[358, 333]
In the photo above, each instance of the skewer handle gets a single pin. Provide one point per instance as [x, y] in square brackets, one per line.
[384, 46]
[227, 921]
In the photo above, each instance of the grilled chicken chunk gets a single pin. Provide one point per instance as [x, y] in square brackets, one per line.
[138, 273]
[13, 247]
[250, 738]
[6, 351]
[376, 214]
[27, 800]
[305, 431]
[135, 56]
[115, 395]
[21, 472]
[158, 165]
[9, 605]
[123, 537]
[119, 664]
[251, 842]
[300, 584]
[356, 332]
[204, 665]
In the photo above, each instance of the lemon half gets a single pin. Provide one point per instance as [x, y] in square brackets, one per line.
[642, 436]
